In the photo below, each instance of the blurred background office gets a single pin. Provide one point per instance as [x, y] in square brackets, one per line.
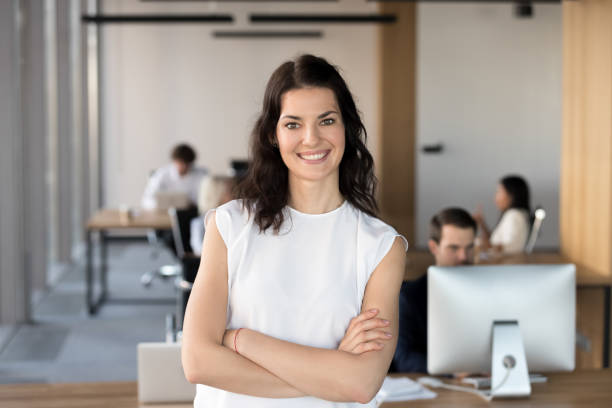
[94, 94]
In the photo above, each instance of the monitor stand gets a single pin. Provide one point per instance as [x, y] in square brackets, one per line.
[509, 374]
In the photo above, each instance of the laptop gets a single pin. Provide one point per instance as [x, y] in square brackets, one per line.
[169, 199]
[160, 374]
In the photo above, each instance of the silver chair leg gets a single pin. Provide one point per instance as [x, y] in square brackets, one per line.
[583, 342]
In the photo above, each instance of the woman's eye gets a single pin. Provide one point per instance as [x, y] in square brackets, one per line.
[292, 125]
[328, 121]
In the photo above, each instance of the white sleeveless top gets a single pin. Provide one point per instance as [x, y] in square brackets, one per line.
[302, 285]
[512, 231]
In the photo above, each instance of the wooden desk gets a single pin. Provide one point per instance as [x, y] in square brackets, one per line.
[578, 389]
[102, 222]
[420, 260]
[108, 219]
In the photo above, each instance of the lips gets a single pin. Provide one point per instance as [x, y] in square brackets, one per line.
[314, 156]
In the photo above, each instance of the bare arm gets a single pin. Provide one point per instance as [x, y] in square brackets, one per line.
[205, 359]
[332, 374]
[485, 240]
[485, 233]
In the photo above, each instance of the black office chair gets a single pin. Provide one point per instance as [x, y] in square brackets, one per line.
[189, 262]
[179, 220]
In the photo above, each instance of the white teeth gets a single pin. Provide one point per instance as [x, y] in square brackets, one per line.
[313, 156]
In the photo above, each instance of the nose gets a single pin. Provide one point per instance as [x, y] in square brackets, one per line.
[311, 136]
[461, 254]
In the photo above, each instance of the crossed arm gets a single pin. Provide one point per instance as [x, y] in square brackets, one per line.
[269, 367]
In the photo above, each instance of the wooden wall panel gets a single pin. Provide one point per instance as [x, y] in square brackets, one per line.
[396, 161]
[589, 322]
[586, 158]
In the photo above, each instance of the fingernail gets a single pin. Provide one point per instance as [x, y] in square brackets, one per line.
[385, 321]
[372, 310]
[388, 334]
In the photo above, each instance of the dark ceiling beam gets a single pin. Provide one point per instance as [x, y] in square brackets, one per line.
[322, 18]
[156, 18]
[267, 34]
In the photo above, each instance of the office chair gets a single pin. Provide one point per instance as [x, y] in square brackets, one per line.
[189, 262]
[536, 225]
[154, 241]
[179, 220]
[185, 270]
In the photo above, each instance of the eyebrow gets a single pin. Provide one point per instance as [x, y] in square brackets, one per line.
[321, 116]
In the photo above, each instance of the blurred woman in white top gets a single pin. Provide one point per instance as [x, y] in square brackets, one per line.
[295, 303]
[512, 230]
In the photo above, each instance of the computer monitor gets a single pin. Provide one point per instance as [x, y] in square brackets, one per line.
[502, 319]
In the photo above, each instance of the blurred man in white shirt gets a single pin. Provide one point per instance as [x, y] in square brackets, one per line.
[180, 176]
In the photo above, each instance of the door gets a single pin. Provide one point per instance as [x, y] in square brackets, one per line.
[488, 104]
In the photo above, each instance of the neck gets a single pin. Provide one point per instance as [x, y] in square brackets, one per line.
[314, 197]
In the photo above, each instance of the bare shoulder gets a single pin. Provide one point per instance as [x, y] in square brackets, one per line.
[389, 274]
[399, 248]
[395, 259]
[210, 222]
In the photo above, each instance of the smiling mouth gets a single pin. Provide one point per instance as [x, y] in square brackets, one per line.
[314, 157]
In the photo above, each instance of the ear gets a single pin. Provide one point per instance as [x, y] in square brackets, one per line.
[433, 247]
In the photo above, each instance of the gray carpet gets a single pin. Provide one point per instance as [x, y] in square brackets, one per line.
[64, 344]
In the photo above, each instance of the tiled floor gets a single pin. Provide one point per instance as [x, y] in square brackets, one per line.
[64, 344]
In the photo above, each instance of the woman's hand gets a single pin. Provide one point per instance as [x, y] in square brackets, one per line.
[365, 333]
[478, 216]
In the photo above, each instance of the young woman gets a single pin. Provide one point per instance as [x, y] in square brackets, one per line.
[296, 300]
[511, 233]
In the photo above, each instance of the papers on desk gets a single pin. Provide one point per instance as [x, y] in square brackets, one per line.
[402, 389]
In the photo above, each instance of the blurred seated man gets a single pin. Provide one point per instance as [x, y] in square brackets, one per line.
[180, 176]
[451, 241]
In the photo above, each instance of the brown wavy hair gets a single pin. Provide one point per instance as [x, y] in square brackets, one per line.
[265, 189]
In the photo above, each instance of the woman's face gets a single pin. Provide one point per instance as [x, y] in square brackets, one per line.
[310, 133]
[503, 200]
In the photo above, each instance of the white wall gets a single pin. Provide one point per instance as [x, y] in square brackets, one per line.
[164, 84]
[489, 88]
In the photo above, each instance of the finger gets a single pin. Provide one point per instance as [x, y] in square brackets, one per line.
[364, 316]
[352, 333]
[371, 324]
[366, 337]
[368, 314]
[372, 335]
[365, 347]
